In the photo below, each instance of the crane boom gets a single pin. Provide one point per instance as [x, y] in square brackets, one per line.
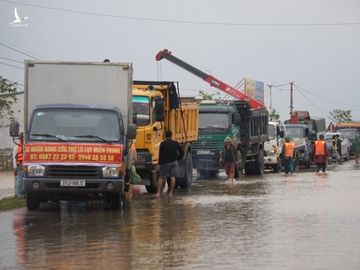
[253, 103]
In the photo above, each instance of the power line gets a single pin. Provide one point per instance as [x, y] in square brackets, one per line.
[183, 21]
[11, 60]
[17, 50]
[279, 85]
[316, 106]
[324, 97]
[10, 65]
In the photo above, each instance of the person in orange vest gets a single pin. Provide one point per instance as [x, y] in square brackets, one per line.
[288, 154]
[320, 154]
[18, 168]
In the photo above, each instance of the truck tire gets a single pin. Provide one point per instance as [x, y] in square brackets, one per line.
[186, 180]
[113, 202]
[32, 203]
[249, 170]
[308, 163]
[238, 165]
[258, 166]
[277, 167]
[152, 187]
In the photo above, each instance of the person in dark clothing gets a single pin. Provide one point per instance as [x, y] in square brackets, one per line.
[338, 145]
[169, 154]
[229, 158]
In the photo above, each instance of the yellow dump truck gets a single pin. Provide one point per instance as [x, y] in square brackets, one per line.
[157, 107]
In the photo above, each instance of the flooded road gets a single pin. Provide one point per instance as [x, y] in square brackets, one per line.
[301, 221]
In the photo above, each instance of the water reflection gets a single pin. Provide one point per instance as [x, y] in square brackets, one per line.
[301, 221]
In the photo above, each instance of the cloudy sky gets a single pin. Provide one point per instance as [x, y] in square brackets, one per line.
[316, 44]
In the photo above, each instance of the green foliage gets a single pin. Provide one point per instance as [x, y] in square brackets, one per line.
[7, 97]
[274, 115]
[11, 203]
[339, 115]
[208, 96]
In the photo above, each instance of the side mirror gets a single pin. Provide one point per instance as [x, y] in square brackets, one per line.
[134, 117]
[14, 129]
[159, 109]
[236, 119]
[131, 131]
[306, 132]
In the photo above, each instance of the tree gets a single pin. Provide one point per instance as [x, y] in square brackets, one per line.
[274, 115]
[207, 96]
[7, 98]
[339, 115]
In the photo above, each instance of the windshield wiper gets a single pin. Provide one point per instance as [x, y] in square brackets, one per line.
[47, 136]
[93, 136]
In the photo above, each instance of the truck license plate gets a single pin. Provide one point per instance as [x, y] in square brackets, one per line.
[204, 152]
[72, 183]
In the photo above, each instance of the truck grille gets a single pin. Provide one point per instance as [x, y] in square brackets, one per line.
[206, 145]
[73, 171]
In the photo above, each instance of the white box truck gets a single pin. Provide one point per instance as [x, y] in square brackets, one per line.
[77, 122]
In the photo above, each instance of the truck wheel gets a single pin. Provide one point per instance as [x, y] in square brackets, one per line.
[277, 167]
[152, 187]
[259, 164]
[237, 170]
[249, 170]
[32, 203]
[186, 180]
[113, 202]
[308, 163]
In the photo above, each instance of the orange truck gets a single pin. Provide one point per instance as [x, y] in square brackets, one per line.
[77, 125]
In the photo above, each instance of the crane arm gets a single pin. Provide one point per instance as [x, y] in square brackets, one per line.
[253, 103]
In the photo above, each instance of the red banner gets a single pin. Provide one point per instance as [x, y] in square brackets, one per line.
[72, 152]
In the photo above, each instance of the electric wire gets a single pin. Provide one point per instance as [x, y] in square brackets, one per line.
[10, 65]
[183, 21]
[11, 60]
[17, 50]
[324, 97]
[316, 106]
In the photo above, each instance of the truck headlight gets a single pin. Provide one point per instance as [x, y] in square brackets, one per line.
[110, 171]
[35, 170]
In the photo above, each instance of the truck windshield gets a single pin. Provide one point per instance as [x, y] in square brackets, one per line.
[295, 132]
[271, 129]
[68, 124]
[213, 122]
[141, 108]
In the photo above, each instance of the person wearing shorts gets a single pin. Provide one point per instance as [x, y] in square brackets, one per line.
[229, 158]
[169, 154]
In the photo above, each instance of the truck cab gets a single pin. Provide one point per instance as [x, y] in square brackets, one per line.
[158, 107]
[76, 151]
[302, 138]
[216, 121]
[247, 127]
[272, 148]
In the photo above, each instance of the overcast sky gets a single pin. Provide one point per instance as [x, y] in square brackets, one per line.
[316, 44]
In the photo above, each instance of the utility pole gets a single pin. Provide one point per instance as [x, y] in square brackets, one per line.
[270, 86]
[291, 98]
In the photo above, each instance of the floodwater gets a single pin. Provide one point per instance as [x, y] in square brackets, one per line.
[300, 221]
